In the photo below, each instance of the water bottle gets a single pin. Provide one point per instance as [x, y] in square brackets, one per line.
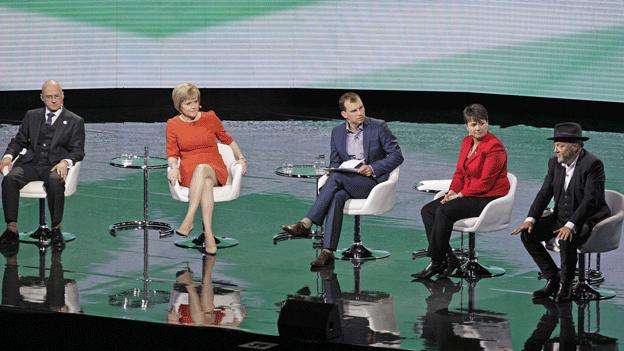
[320, 164]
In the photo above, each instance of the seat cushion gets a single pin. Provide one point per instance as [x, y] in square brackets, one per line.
[33, 190]
[465, 223]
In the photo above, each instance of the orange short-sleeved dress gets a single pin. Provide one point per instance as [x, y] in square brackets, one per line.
[195, 143]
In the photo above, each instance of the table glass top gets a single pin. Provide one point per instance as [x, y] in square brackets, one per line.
[134, 161]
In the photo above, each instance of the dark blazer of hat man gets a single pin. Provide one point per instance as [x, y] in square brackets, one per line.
[576, 182]
[53, 139]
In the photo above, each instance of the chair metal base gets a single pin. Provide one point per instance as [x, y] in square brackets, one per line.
[475, 270]
[42, 236]
[138, 298]
[358, 253]
[584, 291]
[163, 228]
[196, 243]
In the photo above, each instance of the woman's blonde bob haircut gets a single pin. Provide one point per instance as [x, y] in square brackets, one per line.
[182, 92]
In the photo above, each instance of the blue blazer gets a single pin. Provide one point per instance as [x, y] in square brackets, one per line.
[381, 149]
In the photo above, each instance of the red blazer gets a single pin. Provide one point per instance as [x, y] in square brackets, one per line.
[484, 174]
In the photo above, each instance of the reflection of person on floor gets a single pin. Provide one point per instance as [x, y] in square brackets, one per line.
[54, 139]
[26, 292]
[576, 182]
[438, 322]
[555, 313]
[359, 138]
[194, 158]
[200, 308]
[480, 177]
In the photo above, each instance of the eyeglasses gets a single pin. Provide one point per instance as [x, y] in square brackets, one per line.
[52, 97]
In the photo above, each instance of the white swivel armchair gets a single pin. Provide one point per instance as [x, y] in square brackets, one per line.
[380, 200]
[495, 216]
[227, 192]
[605, 236]
[35, 190]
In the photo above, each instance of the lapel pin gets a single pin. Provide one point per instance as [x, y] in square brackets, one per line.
[64, 122]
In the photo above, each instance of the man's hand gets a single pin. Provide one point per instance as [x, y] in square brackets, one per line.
[6, 163]
[564, 233]
[173, 175]
[524, 227]
[61, 169]
[365, 170]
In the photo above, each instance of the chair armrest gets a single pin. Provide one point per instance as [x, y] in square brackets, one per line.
[605, 236]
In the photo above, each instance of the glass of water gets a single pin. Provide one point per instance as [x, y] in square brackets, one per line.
[126, 159]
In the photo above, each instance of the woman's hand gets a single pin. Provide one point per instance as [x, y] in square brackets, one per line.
[450, 196]
[173, 175]
[243, 162]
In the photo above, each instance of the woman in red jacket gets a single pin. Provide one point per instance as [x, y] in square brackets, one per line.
[480, 177]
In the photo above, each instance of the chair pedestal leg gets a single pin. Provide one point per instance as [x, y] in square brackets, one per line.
[42, 235]
[358, 252]
[472, 269]
[583, 291]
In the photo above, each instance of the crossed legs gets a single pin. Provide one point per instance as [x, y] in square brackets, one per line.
[201, 196]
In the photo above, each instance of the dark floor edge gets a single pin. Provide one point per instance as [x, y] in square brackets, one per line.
[24, 328]
[154, 105]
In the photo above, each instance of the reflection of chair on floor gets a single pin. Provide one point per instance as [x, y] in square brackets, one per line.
[366, 317]
[35, 190]
[227, 192]
[470, 329]
[54, 293]
[375, 308]
[605, 237]
[583, 338]
[380, 200]
[495, 216]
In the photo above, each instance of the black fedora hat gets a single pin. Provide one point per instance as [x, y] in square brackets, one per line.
[568, 131]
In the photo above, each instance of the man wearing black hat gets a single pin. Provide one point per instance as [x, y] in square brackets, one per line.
[576, 181]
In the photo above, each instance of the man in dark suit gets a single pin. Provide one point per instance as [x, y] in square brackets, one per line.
[361, 138]
[576, 181]
[49, 141]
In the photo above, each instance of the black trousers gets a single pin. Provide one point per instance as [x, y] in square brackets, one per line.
[19, 176]
[439, 218]
[543, 231]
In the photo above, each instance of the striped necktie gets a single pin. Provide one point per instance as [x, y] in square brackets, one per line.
[49, 118]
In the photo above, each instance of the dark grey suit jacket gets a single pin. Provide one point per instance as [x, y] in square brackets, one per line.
[67, 143]
[588, 187]
[381, 149]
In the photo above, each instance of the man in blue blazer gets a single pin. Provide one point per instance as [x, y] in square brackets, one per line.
[362, 138]
[53, 139]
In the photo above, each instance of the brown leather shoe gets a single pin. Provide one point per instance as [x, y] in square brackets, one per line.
[297, 229]
[325, 259]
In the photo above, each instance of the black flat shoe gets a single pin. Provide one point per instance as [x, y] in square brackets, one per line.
[551, 287]
[9, 243]
[433, 268]
[57, 240]
[452, 263]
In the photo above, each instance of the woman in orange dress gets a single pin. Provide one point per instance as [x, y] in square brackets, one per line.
[194, 158]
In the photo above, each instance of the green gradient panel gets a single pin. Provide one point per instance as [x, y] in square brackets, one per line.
[154, 18]
[588, 67]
